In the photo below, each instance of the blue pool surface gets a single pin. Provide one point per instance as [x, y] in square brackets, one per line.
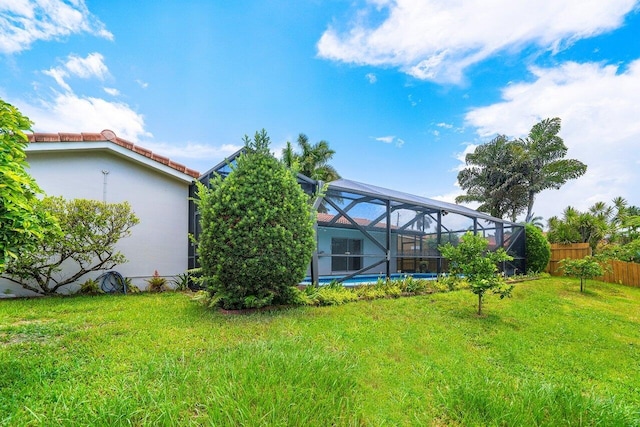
[369, 279]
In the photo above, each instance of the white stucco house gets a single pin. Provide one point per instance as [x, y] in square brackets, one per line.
[361, 230]
[101, 166]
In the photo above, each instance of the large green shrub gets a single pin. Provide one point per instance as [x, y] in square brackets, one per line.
[257, 231]
[538, 250]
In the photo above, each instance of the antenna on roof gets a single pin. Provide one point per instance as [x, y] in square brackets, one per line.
[104, 186]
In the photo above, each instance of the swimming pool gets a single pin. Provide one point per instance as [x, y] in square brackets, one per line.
[369, 279]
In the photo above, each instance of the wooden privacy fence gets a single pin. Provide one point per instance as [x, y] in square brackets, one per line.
[570, 251]
[624, 273]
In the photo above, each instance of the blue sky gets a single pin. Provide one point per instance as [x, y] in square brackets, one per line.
[400, 89]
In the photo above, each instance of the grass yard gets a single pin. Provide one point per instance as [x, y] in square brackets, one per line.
[548, 356]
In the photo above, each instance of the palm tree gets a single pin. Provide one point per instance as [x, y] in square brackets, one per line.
[313, 159]
[536, 221]
[580, 227]
[543, 164]
[491, 179]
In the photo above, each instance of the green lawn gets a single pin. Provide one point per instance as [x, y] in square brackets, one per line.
[548, 356]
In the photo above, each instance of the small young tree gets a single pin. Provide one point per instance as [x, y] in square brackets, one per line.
[21, 226]
[471, 259]
[90, 230]
[585, 268]
[538, 249]
[257, 231]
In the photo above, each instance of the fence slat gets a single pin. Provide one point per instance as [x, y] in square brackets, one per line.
[560, 252]
[624, 273]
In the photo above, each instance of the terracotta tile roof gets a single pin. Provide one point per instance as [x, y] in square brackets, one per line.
[324, 218]
[107, 135]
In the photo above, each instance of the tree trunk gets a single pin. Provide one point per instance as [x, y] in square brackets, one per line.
[532, 197]
[581, 285]
[479, 304]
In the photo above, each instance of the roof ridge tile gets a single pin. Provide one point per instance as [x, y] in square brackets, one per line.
[110, 136]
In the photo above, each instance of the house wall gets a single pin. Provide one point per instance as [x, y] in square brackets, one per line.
[325, 234]
[159, 242]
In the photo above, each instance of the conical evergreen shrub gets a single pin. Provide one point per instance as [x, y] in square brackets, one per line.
[257, 231]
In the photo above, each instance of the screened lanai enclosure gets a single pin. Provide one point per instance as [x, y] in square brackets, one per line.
[369, 231]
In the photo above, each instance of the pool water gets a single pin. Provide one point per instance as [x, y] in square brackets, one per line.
[369, 279]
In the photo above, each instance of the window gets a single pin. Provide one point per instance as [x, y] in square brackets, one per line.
[349, 248]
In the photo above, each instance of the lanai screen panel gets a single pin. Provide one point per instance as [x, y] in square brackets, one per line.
[514, 244]
[352, 234]
[404, 231]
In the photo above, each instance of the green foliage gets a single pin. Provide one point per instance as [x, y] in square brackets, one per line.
[90, 287]
[505, 176]
[629, 252]
[312, 161]
[538, 249]
[131, 288]
[585, 268]
[156, 283]
[491, 179]
[472, 260]
[257, 231]
[22, 226]
[337, 294]
[579, 227]
[181, 281]
[90, 230]
[332, 294]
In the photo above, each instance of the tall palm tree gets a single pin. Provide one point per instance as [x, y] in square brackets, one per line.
[542, 163]
[490, 179]
[312, 160]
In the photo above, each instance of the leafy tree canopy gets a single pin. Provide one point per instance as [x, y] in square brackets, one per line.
[615, 224]
[505, 176]
[490, 179]
[21, 225]
[472, 259]
[89, 231]
[312, 160]
[585, 268]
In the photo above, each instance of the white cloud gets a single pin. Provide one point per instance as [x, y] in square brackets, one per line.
[194, 155]
[23, 22]
[71, 113]
[391, 139]
[58, 74]
[461, 156]
[435, 40]
[444, 125]
[91, 66]
[386, 139]
[111, 91]
[371, 78]
[193, 151]
[599, 108]
[142, 84]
